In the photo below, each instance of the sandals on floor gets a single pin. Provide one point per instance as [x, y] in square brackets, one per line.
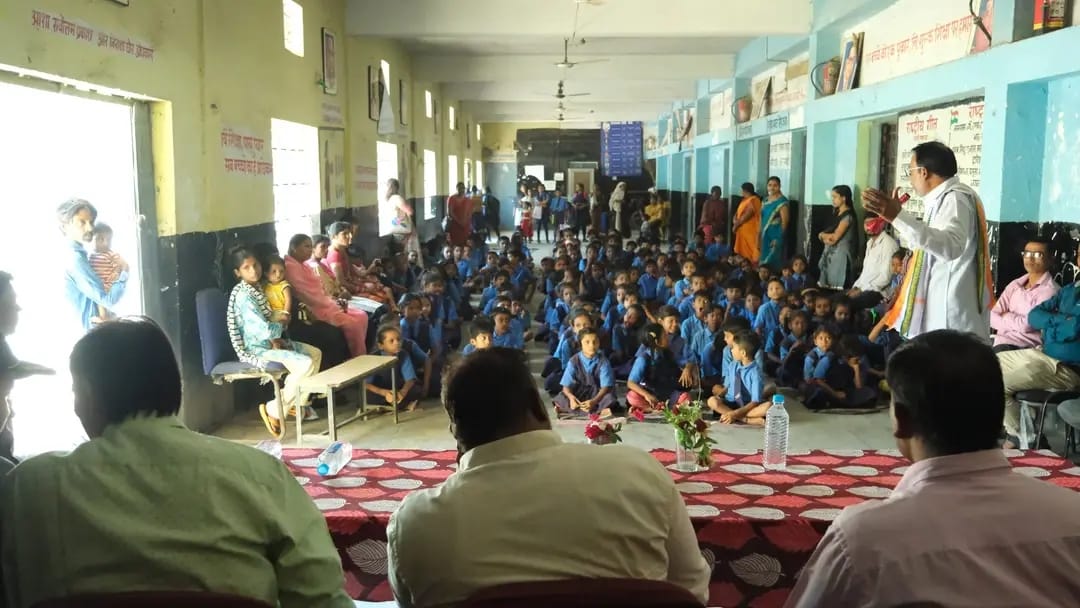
[272, 424]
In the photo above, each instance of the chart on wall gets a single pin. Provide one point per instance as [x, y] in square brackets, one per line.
[959, 126]
[620, 148]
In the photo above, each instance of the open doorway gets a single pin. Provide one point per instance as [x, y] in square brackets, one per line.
[57, 144]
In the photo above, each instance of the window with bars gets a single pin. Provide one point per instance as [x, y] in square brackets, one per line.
[431, 183]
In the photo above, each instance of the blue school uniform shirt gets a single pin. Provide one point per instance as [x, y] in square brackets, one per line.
[714, 252]
[686, 309]
[614, 317]
[747, 384]
[609, 301]
[773, 340]
[557, 314]
[817, 363]
[795, 283]
[487, 295]
[598, 362]
[510, 339]
[558, 204]
[621, 338]
[679, 292]
[768, 317]
[789, 342]
[520, 277]
[696, 333]
[648, 285]
[419, 332]
[677, 345]
[466, 269]
[568, 347]
[712, 362]
[404, 369]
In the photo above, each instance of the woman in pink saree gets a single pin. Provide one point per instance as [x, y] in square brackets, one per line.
[307, 286]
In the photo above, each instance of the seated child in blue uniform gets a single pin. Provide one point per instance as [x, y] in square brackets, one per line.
[498, 284]
[595, 283]
[504, 335]
[653, 383]
[695, 329]
[753, 303]
[698, 283]
[821, 310]
[768, 315]
[568, 346]
[378, 386]
[745, 399]
[479, 335]
[669, 320]
[621, 278]
[732, 300]
[556, 317]
[794, 276]
[626, 340]
[522, 320]
[682, 288]
[588, 383]
[718, 250]
[828, 376]
[773, 339]
[651, 284]
[793, 349]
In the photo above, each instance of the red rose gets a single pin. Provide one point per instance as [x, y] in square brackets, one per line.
[593, 431]
[638, 415]
[594, 417]
[675, 410]
[701, 425]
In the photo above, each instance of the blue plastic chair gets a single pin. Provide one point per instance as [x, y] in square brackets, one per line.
[219, 358]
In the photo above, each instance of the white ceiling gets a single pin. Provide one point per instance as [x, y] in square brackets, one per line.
[498, 56]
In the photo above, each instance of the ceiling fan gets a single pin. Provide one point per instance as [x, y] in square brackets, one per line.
[566, 63]
[562, 94]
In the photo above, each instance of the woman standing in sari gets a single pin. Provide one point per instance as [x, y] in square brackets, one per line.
[747, 225]
[774, 224]
[841, 240]
[404, 227]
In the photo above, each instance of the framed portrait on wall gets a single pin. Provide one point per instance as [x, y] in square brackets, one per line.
[329, 62]
[404, 101]
[375, 91]
[850, 58]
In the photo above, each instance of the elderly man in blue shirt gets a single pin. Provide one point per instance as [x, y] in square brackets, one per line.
[82, 287]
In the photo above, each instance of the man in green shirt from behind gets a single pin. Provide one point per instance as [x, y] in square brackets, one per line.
[148, 505]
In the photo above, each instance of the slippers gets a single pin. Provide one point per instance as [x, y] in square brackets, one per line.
[272, 424]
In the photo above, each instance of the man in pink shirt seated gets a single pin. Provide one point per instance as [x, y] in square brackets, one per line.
[1009, 317]
[961, 528]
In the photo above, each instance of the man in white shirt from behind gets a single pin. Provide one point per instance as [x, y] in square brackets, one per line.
[962, 528]
[524, 506]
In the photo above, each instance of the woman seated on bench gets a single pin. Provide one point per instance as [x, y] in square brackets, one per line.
[352, 277]
[309, 290]
[258, 340]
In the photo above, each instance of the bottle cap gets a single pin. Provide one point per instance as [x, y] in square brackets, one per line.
[323, 469]
[778, 399]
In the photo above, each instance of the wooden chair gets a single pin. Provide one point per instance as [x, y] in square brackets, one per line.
[153, 599]
[584, 593]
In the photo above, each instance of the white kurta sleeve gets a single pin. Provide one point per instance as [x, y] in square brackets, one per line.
[954, 223]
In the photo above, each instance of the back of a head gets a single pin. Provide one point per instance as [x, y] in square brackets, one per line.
[127, 368]
[937, 158]
[950, 384]
[492, 395]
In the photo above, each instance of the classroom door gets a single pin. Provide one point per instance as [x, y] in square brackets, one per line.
[58, 144]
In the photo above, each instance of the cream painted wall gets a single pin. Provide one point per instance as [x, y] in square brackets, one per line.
[498, 137]
[222, 64]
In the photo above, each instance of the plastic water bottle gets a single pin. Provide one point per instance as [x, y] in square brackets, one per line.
[776, 435]
[270, 446]
[334, 458]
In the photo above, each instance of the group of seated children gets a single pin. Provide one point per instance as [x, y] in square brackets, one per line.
[693, 319]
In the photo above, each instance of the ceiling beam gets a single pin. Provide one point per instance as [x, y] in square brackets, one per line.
[643, 18]
[530, 68]
[635, 90]
[498, 111]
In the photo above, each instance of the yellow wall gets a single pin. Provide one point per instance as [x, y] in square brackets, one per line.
[498, 138]
[222, 64]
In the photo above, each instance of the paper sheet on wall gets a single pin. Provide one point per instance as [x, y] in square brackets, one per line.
[957, 126]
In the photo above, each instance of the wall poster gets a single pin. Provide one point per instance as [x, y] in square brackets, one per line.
[333, 172]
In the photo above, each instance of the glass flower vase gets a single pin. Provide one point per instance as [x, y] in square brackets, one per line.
[686, 459]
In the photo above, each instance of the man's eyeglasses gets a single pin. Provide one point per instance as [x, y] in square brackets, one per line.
[1034, 255]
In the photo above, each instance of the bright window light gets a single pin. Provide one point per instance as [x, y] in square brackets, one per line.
[429, 105]
[479, 175]
[431, 183]
[452, 117]
[477, 135]
[294, 26]
[386, 167]
[294, 149]
[451, 174]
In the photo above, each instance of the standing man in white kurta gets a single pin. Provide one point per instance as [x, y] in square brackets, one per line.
[948, 284]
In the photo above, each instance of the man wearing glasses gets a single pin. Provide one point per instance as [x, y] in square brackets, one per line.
[948, 284]
[1009, 317]
[1055, 365]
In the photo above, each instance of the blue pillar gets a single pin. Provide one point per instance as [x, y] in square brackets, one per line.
[820, 160]
[1014, 140]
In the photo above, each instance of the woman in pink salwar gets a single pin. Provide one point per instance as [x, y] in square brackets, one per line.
[307, 286]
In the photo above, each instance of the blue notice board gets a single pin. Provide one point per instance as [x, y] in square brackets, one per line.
[621, 148]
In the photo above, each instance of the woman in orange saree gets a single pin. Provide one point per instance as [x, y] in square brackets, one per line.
[747, 225]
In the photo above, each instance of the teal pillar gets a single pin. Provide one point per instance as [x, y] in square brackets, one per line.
[1013, 144]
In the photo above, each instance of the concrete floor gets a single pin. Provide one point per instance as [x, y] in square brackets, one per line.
[426, 428]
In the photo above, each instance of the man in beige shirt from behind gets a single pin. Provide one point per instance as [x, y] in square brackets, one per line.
[524, 506]
[962, 528]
